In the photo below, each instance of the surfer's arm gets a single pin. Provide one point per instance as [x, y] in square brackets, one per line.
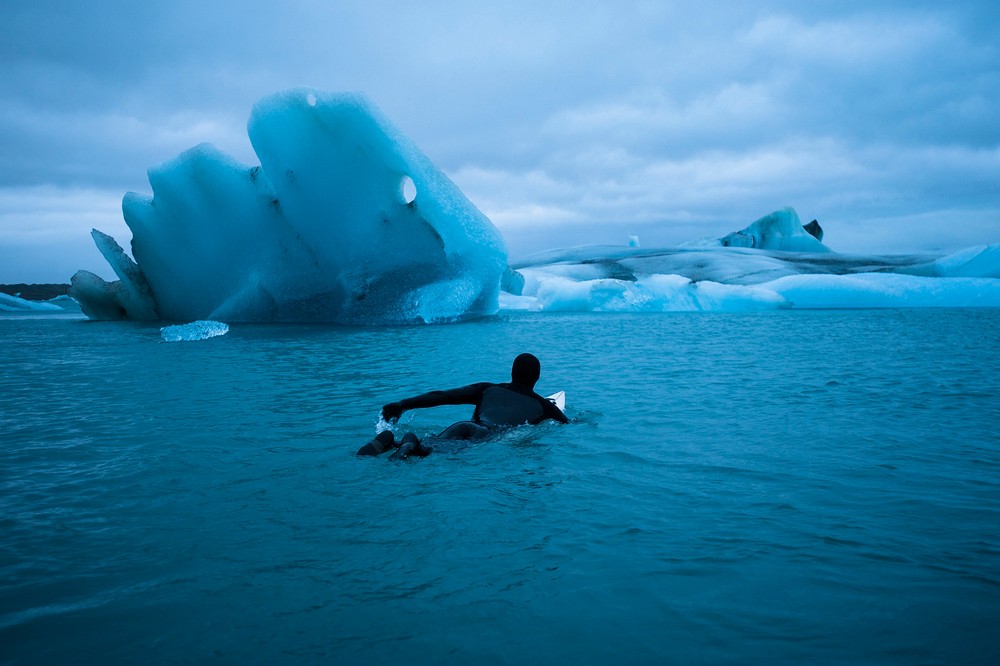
[465, 395]
[552, 412]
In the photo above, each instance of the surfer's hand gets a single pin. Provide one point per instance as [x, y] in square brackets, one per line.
[392, 411]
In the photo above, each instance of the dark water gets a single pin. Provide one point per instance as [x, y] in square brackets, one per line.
[785, 487]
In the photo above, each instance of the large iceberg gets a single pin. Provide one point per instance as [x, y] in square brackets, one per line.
[345, 220]
[775, 263]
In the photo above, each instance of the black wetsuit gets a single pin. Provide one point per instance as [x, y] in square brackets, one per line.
[497, 405]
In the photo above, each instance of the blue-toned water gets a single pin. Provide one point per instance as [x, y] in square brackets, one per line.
[784, 487]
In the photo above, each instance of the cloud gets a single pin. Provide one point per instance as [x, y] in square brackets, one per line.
[103, 148]
[863, 42]
[714, 192]
[45, 232]
[564, 122]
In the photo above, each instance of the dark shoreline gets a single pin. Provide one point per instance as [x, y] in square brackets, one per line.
[35, 292]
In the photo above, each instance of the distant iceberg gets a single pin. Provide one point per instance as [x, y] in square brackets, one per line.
[345, 221]
[781, 230]
[753, 270]
[58, 305]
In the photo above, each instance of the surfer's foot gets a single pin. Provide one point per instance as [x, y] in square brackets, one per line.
[418, 450]
[410, 447]
[383, 441]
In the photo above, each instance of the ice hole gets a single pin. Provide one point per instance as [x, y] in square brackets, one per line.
[409, 190]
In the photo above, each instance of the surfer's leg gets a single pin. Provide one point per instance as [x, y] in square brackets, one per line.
[410, 447]
[466, 430]
[382, 442]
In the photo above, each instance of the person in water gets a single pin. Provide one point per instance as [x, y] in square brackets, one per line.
[498, 406]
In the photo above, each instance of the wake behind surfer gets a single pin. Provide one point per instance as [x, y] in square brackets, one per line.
[497, 406]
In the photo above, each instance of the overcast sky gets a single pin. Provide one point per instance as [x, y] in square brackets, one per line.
[565, 122]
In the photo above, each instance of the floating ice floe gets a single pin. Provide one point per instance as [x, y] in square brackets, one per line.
[345, 220]
[57, 305]
[718, 276]
[196, 330]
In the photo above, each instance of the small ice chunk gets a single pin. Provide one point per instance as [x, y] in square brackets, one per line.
[197, 330]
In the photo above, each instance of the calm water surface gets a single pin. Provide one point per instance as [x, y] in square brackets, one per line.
[791, 487]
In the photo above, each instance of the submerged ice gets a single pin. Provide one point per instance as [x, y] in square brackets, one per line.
[345, 220]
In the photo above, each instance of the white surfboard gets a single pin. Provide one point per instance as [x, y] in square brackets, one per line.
[559, 399]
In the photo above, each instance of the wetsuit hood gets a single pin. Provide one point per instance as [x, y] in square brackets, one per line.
[526, 370]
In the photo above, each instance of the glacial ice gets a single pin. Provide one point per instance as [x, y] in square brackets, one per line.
[712, 276]
[781, 230]
[196, 330]
[16, 305]
[345, 220]
[675, 293]
[979, 261]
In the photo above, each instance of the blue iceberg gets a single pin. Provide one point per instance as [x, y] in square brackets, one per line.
[781, 230]
[16, 305]
[774, 263]
[345, 221]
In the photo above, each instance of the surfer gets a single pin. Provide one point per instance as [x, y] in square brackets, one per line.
[498, 406]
